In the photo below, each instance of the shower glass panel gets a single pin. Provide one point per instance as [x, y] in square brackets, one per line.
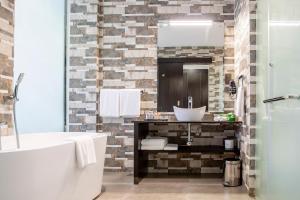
[278, 122]
[40, 54]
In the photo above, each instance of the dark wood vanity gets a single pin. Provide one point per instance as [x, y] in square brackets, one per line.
[143, 128]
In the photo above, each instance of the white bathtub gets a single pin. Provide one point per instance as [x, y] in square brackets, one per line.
[45, 168]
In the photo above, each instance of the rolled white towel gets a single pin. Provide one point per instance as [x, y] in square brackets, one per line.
[171, 147]
[152, 147]
[155, 137]
[155, 142]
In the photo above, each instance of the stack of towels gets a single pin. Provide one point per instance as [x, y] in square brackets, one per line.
[115, 103]
[157, 143]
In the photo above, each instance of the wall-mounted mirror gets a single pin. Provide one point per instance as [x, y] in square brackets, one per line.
[190, 65]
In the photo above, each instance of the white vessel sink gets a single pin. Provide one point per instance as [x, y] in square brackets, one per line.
[189, 114]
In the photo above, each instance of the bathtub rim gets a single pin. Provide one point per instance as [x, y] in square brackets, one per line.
[54, 144]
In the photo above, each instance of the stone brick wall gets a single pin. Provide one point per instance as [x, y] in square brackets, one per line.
[84, 66]
[113, 44]
[245, 64]
[129, 55]
[215, 71]
[6, 59]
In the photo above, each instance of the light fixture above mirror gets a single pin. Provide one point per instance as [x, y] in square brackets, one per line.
[178, 33]
[190, 23]
[186, 23]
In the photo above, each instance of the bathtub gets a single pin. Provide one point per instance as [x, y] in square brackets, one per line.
[45, 168]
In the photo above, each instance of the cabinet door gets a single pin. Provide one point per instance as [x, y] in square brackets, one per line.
[196, 86]
[170, 86]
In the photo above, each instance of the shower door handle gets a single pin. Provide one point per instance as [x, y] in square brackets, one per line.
[281, 98]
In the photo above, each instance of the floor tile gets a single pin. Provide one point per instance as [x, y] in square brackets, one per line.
[120, 186]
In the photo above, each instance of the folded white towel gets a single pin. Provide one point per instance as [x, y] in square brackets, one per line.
[152, 147]
[155, 142]
[130, 102]
[85, 150]
[109, 103]
[239, 103]
[171, 147]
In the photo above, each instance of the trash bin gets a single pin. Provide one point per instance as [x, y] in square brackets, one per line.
[232, 173]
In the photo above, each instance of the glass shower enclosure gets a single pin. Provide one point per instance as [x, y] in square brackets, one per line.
[278, 103]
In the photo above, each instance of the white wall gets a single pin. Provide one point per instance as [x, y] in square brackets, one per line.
[179, 36]
[39, 53]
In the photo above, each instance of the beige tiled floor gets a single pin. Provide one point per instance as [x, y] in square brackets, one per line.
[120, 187]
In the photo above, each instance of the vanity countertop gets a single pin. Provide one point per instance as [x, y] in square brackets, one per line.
[185, 122]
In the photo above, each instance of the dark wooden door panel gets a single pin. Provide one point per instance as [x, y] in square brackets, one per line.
[170, 86]
[176, 84]
[196, 85]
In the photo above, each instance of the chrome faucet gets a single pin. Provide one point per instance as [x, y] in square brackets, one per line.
[190, 102]
[2, 125]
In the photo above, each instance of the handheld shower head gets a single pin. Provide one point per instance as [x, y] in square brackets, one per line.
[20, 78]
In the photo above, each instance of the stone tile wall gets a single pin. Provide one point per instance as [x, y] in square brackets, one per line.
[215, 71]
[245, 64]
[84, 66]
[6, 59]
[129, 56]
[113, 45]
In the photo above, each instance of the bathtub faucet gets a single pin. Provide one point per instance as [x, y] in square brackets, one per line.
[14, 98]
[2, 125]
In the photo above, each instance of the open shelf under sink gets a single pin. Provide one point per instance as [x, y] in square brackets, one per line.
[201, 149]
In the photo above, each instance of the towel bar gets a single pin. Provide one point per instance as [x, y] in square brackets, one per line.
[281, 98]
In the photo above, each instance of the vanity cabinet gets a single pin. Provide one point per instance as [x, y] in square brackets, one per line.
[206, 155]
